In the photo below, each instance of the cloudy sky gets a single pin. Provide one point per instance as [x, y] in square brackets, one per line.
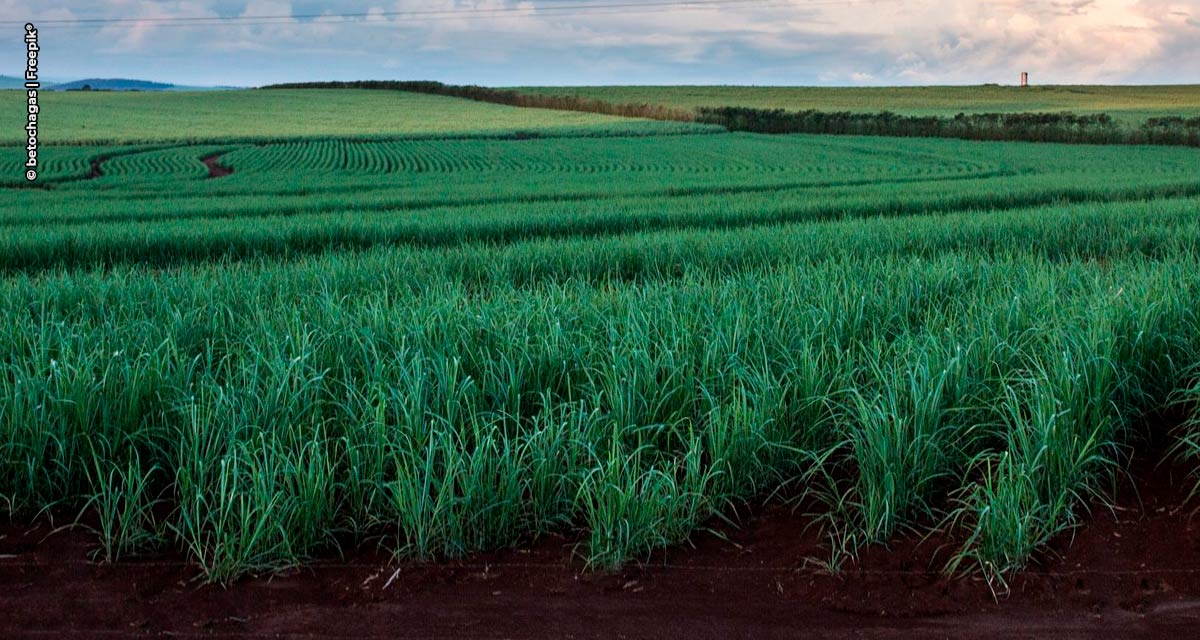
[514, 42]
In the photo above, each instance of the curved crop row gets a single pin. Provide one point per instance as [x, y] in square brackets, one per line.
[54, 163]
[683, 155]
[169, 165]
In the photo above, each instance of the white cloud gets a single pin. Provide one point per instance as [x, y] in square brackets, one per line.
[880, 41]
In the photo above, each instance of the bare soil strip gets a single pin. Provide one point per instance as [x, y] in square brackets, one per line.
[215, 168]
[1131, 572]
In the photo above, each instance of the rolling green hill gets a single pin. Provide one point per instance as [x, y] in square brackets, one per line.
[121, 117]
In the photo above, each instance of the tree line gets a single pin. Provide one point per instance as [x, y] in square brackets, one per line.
[1099, 128]
[507, 97]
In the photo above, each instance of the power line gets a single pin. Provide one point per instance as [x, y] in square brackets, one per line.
[386, 14]
[564, 9]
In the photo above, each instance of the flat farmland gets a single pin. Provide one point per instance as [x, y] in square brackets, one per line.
[489, 330]
[94, 117]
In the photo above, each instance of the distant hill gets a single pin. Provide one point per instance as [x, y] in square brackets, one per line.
[17, 82]
[114, 84]
[124, 84]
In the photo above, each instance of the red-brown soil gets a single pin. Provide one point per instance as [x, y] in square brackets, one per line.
[215, 168]
[1132, 572]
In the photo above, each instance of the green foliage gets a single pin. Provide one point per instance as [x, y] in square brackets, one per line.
[1066, 127]
[122, 117]
[508, 97]
[460, 345]
[313, 196]
[744, 113]
[1129, 104]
